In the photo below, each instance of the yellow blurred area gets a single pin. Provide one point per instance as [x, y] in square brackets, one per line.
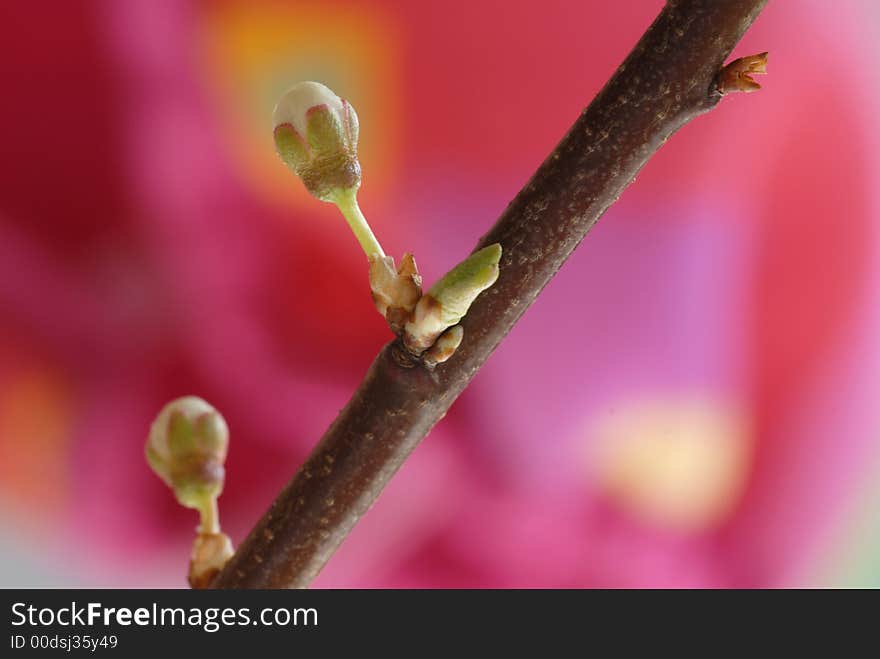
[35, 419]
[252, 54]
[677, 463]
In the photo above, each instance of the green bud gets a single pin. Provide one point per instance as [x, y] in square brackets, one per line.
[447, 302]
[316, 135]
[186, 448]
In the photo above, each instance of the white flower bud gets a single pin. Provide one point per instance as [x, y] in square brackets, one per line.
[316, 134]
[296, 103]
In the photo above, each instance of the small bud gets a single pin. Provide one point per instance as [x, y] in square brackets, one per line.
[737, 76]
[445, 346]
[186, 448]
[395, 290]
[316, 135]
[210, 553]
[446, 303]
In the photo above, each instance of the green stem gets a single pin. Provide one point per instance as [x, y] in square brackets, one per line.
[346, 200]
[210, 517]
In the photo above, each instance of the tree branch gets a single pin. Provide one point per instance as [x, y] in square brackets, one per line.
[668, 79]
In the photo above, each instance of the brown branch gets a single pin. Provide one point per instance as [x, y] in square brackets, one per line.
[669, 78]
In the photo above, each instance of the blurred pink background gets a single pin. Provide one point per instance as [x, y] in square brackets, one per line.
[693, 401]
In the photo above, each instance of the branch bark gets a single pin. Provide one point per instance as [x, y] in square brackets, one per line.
[667, 80]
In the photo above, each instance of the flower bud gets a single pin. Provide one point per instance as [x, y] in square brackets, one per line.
[316, 135]
[186, 448]
[446, 303]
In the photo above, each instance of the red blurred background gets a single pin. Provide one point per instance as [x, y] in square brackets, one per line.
[692, 402]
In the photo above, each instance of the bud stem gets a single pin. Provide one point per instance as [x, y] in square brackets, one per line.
[210, 517]
[346, 201]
